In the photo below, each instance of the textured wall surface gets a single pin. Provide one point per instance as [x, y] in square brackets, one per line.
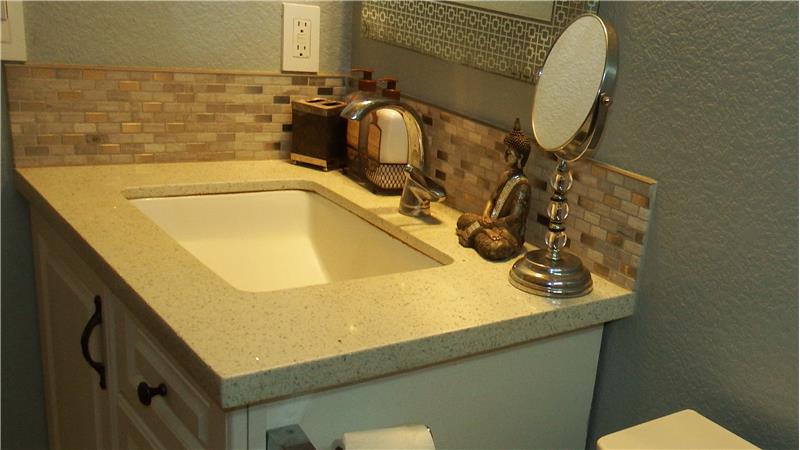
[23, 424]
[223, 35]
[707, 104]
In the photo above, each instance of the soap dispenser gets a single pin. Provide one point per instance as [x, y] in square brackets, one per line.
[357, 131]
[387, 139]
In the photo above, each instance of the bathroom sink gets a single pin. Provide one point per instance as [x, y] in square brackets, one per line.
[272, 240]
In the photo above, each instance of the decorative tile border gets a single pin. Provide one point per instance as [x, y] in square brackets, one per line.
[75, 115]
[494, 42]
[609, 207]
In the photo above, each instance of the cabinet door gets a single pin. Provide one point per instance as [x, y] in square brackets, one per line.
[182, 418]
[77, 407]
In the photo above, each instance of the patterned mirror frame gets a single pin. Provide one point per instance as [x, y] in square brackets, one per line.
[503, 44]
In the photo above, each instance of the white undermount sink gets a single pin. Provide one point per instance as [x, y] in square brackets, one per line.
[272, 240]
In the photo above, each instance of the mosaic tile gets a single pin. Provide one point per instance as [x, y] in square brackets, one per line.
[100, 115]
[609, 215]
[609, 207]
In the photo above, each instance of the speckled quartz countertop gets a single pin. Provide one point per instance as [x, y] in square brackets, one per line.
[244, 347]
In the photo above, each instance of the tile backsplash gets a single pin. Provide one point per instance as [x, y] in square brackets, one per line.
[77, 115]
[609, 207]
[73, 115]
[466, 156]
[608, 216]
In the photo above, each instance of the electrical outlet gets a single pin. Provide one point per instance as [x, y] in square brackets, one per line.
[301, 33]
[300, 38]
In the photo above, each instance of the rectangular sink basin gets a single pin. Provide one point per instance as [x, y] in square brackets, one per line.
[272, 240]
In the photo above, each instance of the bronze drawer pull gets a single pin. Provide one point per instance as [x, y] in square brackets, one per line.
[146, 393]
[95, 320]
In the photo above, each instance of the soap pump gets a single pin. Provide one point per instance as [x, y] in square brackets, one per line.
[366, 86]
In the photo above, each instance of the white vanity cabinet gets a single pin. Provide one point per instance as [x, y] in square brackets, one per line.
[533, 395]
[83, 415]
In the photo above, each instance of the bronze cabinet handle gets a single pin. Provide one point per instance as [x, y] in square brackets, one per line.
[146, 393]
[94, 321]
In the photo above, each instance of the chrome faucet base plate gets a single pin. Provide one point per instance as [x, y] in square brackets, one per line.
[414, 212]
[536, 273]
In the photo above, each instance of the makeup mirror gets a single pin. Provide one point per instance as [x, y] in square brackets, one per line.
[572, 95]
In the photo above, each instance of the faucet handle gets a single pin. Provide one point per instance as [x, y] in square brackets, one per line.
[390, 91]
[415, 174]
[435, 189]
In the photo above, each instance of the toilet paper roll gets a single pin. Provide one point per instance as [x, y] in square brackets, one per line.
[413, 437]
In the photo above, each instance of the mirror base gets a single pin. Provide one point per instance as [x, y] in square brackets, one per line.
[536, 273]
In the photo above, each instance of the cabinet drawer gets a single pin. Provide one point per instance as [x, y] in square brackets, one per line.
[184, 417]
[134, 434]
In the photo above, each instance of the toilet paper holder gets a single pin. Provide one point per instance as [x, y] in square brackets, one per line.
[290, 437]
[409, 437]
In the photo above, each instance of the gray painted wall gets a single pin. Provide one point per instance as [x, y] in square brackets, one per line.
[707, 105]
[22, 409]
[222, 35]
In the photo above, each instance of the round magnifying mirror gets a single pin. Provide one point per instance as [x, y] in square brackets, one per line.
[579, 72]
[570, 101]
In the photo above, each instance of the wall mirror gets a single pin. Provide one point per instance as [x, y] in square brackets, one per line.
[539, 10]
[508, 38]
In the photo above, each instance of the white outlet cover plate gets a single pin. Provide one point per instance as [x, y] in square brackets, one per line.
[309, 62]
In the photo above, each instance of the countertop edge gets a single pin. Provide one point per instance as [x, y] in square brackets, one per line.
[408, 356]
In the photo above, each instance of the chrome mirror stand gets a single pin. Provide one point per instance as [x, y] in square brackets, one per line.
[551, 271]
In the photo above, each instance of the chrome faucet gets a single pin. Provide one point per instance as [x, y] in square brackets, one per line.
[419, 190]
[418, 193]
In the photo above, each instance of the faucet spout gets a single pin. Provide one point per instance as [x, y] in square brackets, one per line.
[359, 109]
[418, 192]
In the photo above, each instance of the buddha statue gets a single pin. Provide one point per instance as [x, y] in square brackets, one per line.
[499, 232]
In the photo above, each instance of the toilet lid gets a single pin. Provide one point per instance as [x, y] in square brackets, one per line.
[685, 429]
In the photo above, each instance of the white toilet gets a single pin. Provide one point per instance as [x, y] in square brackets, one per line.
[685, 429]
